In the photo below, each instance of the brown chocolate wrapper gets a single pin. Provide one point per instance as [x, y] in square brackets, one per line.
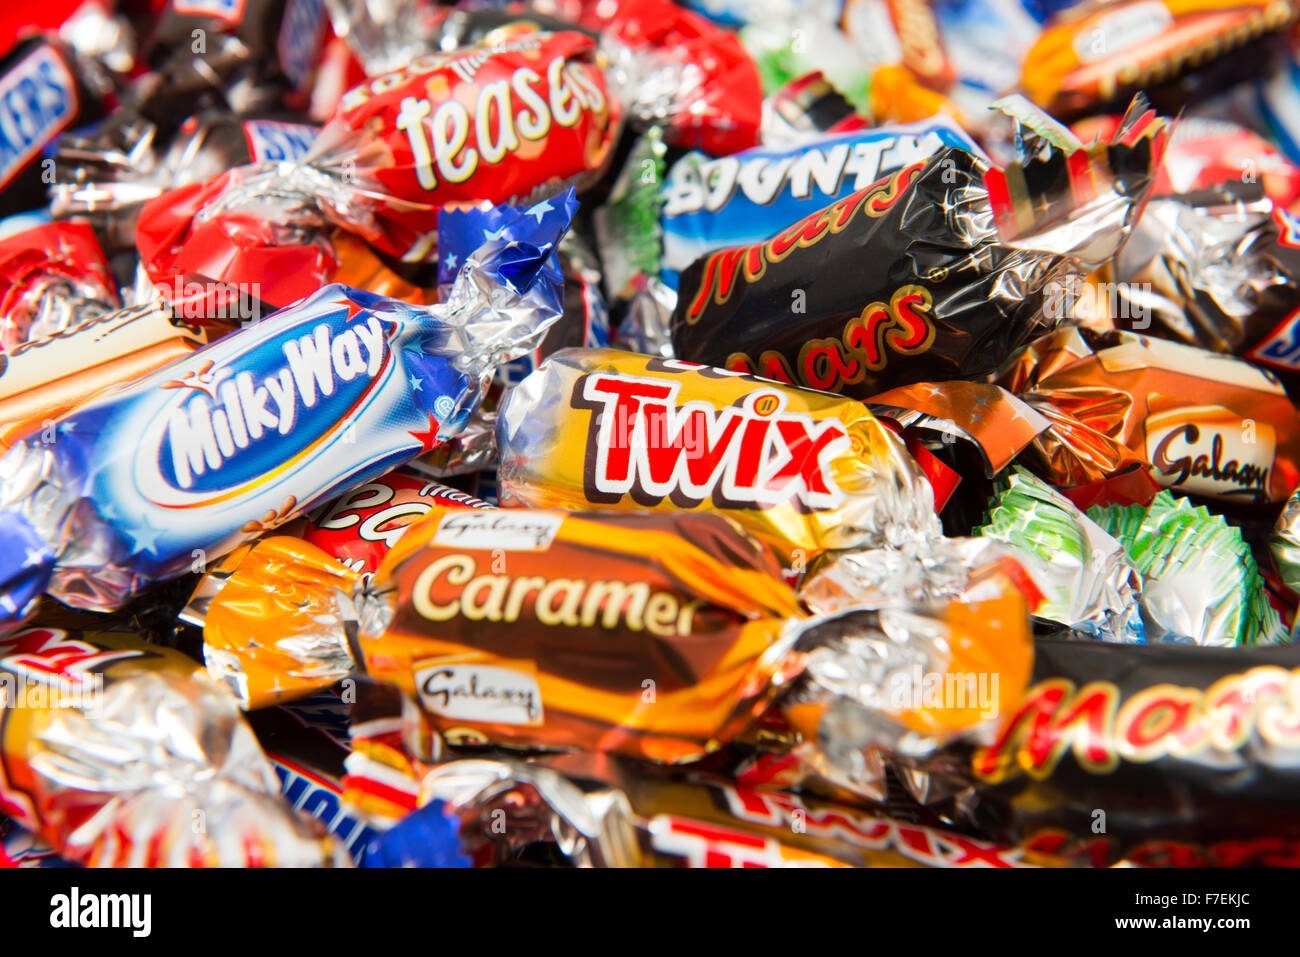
[1206, 424]
[1185, 757]
[659, 636]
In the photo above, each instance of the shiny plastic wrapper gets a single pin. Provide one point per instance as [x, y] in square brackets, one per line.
[111, 750]
[805, 472]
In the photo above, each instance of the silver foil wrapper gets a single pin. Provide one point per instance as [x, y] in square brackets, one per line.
[1089, 583]
[176, 779]
[535, 804]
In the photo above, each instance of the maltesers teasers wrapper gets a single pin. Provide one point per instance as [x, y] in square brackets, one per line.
[112, 749]
[805, 472]
[263, 425]
[938, 271]
[1205, 423]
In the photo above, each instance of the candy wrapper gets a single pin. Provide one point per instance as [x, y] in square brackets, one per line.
[106, 174]
[44, 93]
[42, 381]
[424, 137]
[1188, 755]
[938, 271]
[1095, 55]
[399, 148]
[281, 38]
[52, 278]
[262, 426]
[807, 108]
[710, 204]
[112, 751]
[804, 472]
[1094, 588]
[1200, 583]
[603, 812]
[1215, 269]
[892, 683]
[360, 528]
[1206, 424]
[667, 655]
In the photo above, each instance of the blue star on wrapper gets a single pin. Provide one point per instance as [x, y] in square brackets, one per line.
[427, 837]
[533, 228]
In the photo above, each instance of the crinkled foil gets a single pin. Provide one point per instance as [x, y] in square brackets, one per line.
[1088, 581]
[591, 828]
[1285, 543]
[170, 757]
[1200, 582]
[1205, 268]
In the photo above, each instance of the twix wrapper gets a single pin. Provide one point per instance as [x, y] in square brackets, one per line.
[653, 635]
[1207, 424]
[805, 472]
[112, 749]
[622, 814]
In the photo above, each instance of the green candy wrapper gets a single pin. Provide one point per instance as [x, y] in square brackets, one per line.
[1200, 582]
[1088, 582]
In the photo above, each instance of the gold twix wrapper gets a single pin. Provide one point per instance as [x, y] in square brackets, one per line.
[803, 471]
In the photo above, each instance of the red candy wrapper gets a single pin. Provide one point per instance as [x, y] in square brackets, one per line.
[515, 122]
[51, 278]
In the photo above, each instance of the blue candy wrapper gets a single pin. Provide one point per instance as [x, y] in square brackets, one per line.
[151, 481]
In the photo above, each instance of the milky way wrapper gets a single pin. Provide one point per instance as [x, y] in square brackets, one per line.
[937, 271]
[1190, 756]
[805, 472]
[1206, 424]
[261, 426]
[653, 635]
[111, 750]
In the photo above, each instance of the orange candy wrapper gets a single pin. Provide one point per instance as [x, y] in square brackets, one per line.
[658, 636]
[1204, 423]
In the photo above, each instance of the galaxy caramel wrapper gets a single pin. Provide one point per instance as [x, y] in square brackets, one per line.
[805, 472]
[938, 271]
[655, 635]
[1205, 423]
[1161, 755]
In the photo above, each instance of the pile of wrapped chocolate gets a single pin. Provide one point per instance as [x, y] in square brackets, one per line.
[626, 433]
